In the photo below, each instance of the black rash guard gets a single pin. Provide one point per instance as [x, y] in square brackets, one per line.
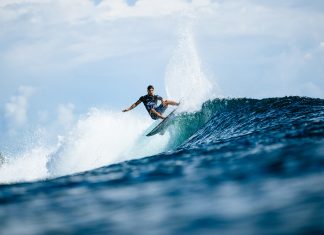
[150, 101]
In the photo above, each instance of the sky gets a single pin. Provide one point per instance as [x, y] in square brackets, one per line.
[61, 58]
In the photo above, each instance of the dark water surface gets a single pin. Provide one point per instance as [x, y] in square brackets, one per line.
[238, 166]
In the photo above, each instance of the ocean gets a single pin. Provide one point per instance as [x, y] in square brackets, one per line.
[235, 166]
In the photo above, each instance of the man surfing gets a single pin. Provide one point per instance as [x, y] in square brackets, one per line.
[150, 102]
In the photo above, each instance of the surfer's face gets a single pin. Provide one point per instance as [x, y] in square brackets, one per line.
[150, 91]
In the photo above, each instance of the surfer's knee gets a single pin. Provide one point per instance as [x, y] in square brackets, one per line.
[171, 102]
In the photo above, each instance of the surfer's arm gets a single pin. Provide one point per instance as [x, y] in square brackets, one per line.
[157, 113]
[160, 98]
[132, 106]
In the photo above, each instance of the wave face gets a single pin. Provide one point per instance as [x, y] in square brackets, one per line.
[263, 121]
[236, 166]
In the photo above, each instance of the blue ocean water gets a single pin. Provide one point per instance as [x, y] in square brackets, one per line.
[237, 166]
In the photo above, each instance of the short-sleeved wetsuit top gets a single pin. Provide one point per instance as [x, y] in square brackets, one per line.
[150, 102]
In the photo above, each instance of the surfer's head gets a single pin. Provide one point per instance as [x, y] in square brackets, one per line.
[150, 90]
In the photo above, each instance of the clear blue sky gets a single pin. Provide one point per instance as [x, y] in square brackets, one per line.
[58, 59]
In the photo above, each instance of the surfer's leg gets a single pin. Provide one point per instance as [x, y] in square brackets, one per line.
[171, 102]
[154, 116]
[161, 109]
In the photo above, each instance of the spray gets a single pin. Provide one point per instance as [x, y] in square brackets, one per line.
[184, 78]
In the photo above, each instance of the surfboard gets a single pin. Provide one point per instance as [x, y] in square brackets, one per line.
[160, 128]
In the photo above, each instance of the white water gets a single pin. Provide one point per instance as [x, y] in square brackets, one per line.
[101, 138]
[105, 137]
[28, 166]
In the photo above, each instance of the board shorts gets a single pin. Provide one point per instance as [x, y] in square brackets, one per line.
[160, 109]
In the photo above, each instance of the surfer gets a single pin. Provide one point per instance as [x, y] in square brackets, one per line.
[150, 102]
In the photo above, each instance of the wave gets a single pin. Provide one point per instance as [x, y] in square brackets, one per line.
[272, 118]
[225, 125]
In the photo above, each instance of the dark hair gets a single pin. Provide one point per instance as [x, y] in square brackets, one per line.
[150, 87]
